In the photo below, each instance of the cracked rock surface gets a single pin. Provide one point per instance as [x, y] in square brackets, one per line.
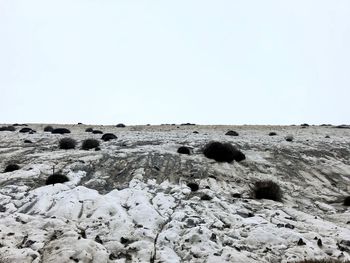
[130, 201]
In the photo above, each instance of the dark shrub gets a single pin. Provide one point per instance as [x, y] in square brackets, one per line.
[232, 133]
[7, 128]
[289, 138]
[32, 132]
[25, 130]
[67, 143]
[272, 134]
[60, 131]
[48, 128]
[80, 123]
[120, 125]
[222, 152]
[347, 201]
[327, 137]
[17, 124]
[90, 144]
[184, 150]
[195, 132]
[56, 179]
[97, 132]
[28, 141]
[11, 168]
[108, 136]
[194, 187]
[267, 189]
[304, 125]
[89, 130]
[97, 149]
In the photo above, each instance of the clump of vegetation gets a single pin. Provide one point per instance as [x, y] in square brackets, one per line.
[90, 144]
[60, 131]
[222, 152]
[267, 189]
[48, 128]
[67, 143]
[120, 125]
[272, 134]
[97, 132]
[347, 201]
[184, 150]
[8, 128]
[28, 141]
[304, 125]
[289, 138]
[108, 136]
[89, 130]
[56, 178]
[11, 167]
[232, 133]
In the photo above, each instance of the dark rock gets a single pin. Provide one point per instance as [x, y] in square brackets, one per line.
[25, 130]
[60, 131]
[184, 150]
[232, 133]
[222, 152]
[56, 179]
[236, 195]
[194, 186]
[347, 201]
[48, 128]
[98, 239]
[272, 134]
[97, 132]
[206, 197]
[301, 242]
[319, 243]
[120, 125]
[11, 168]
[195, 132]
[108, 136]
[28, 141]
[8, 128]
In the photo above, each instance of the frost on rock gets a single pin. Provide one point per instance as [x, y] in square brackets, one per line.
[132, 201]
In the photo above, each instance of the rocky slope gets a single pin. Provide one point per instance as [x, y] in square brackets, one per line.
[129, 202]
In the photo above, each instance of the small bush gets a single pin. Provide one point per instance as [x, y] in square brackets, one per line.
[184, 150]
[11, 168]
[232, 133]
[28, 141]
[67, 143]
[97, 132]
[108, 136]
[195, 132]
[89, 130]
[25, 130]
[267, 190]
[8, 128]
[90, 144]
[347, 201]
[48, 128]
[56, 179]
[289, 138]
[304, 125]
[272, 134]
[187, 124]
[60, 131]
[222, 152]
[120, 125]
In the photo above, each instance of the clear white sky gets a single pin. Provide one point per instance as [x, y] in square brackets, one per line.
[153, 61]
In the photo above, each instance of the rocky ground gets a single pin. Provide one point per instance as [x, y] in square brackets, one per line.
[129, 202]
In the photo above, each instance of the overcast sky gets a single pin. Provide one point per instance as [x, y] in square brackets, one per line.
[207, 62]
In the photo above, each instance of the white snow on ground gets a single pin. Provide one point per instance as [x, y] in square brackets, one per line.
[130, 202]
